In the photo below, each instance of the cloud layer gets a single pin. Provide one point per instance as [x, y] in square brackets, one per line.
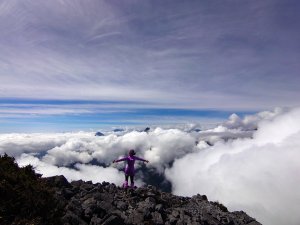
[259, 175]
[249, 163]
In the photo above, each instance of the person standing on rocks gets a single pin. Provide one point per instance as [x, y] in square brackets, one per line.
[129, 169]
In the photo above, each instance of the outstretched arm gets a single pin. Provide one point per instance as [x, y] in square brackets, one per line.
[144, 160]
[120, 160]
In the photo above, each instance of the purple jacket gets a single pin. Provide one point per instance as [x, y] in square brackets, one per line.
[129, 169]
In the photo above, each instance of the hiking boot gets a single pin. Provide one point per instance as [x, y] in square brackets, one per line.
[125, 185]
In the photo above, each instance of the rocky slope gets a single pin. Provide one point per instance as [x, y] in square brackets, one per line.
[28, 199]
[88, 203]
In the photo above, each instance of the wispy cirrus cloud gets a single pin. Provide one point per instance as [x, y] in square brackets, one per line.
[180, 54]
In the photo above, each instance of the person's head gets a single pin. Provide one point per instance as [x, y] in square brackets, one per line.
[131, 152]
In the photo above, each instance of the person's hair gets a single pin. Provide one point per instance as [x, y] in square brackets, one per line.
[131, 152]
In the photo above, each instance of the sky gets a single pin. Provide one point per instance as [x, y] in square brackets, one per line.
[78, 65]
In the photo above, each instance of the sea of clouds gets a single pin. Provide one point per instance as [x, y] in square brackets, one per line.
[250, 164]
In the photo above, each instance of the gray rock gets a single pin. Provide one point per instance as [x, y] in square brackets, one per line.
[150, 200]
[180, 222]
[146, 205]
[147, 214]
[122, 205]
[72, 219]
[68, 193]
[95, 220]
[106, 206]
[175, 213]
[58, 181]
[254, 223]
[89, 203]
[113, 220]
[159, 208]
[77, 183]
[135, 218]
[173, 220]
[157, 218]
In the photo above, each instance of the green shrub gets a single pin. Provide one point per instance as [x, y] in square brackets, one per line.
[24, 196]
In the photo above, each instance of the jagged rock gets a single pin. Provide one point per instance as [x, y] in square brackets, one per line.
[159, 208]
[89, 206]
[75, 183]
[95, 220]
[113, 220]
[105, 203]
[157, 218]
[253, 223]
[68, 193]
[106, 206]
[135, 218]
[122, 205]
[147, 214]
[58, 181]
[172, 220]
[72, 219]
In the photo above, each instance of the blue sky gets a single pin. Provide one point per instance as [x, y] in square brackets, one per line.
[74, 64]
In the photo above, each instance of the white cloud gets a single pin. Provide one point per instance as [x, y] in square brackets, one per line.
[250, 122]
[255, 172]
[259, 175]
[160, 146]
[81, 172]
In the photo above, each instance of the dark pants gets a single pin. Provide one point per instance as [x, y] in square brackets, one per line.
[131, 178]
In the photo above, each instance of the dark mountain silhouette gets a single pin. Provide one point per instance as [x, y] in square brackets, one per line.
[147, 129]
[118, 130]
[99, 134]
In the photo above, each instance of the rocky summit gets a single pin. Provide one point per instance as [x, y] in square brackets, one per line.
[104, 203]
[28, 199]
